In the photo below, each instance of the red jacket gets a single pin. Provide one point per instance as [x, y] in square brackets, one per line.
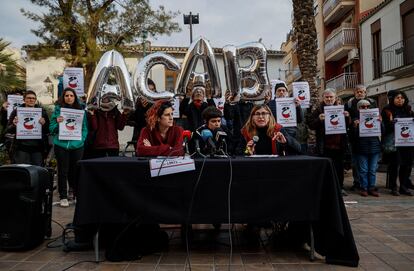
[248, 138]
[171, 146]
[105, 125]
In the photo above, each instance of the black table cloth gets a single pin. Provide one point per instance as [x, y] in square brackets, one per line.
[295, 188]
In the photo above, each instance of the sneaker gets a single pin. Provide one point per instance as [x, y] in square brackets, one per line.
[364, 193]
[64, 203]
[395, 192]
[373, 193]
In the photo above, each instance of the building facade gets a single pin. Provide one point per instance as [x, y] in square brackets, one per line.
[387, 47]
[38, 71]
[337, 25]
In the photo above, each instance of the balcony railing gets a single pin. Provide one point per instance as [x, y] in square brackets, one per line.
[398, 55]
[330, 5]
[343, 81]
[344, 36]
[296, 74]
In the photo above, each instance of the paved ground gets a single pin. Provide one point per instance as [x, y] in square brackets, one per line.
[383, 229]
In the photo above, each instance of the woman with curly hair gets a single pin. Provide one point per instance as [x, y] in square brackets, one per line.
[160, 136]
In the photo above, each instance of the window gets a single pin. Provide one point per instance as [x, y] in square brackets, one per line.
[376, 48]
[170, 78]
[407, 17]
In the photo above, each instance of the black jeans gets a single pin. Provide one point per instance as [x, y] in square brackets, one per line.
[66, 162]
[400, 163]
[31, 158]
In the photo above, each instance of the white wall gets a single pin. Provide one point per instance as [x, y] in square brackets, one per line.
[391, 33]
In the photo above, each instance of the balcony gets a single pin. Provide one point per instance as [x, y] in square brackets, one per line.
[398, 59]
[296, 74]
[334, 10]
[344, 83]
[340, 42]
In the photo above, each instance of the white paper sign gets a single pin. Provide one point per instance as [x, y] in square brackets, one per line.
[176, 108]
[302, 93]
[286, 112]
[165, 166]
[369, 124]
[28, 126]
[334, 120]
[219, 103]
[14, 101]
[71, 126]
[404, 132]
[73, 78]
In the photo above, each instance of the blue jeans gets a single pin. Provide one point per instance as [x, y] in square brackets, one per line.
[367, 166]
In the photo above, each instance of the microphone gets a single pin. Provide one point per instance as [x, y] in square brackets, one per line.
[220, 135]
[255, 140]
[186, 137]
[207, 136]
[196, 135]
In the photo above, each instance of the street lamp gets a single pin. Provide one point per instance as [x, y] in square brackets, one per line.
[191, 19]
[49, 87]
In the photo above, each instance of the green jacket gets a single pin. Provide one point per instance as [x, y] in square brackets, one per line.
[67, 144]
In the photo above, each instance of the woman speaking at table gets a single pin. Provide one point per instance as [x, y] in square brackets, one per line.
[262, 135]
[160, 136]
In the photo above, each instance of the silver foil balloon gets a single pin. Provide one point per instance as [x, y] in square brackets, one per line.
[111, 62]
[256, 72]
[140, 76]
[199, 50]
[231, 69]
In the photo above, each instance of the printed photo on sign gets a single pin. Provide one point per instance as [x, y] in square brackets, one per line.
[28, 126]
[404, 132]
[302, 93]
[71, 126]
[334, 120]
[73, 78]
[369, 123]
[286, 112]
[219, 103]
[176, 108]
[14, 101]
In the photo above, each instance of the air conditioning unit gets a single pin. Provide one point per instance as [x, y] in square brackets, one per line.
[353, 54]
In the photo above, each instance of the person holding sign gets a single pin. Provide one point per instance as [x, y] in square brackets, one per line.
[330, 145]
[67, 152]
[366, 148]
[399, 159]
[160, 136]
[262, 135]
[281, 91]
[29, 150]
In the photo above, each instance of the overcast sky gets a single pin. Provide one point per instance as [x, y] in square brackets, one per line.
[221, 22]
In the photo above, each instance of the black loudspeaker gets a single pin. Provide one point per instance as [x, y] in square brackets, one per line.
[25, 206]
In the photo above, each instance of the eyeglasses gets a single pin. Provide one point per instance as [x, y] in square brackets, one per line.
[261, 114]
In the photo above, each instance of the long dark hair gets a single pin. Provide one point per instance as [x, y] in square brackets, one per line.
[61, 100]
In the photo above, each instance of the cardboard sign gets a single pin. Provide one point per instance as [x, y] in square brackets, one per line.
[286, 112]
[334, 120]
[369, 124]
[73, 78]
[28, 126]
[14, 101]
[404, 132]
[165, 166]
[71, 126]
[302, 93]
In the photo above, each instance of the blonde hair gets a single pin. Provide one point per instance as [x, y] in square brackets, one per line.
[251, 127]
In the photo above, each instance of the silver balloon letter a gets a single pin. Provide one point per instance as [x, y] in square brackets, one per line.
[200, 49]
[111, 62]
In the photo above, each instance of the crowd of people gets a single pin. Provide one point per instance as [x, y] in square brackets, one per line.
[248, 129]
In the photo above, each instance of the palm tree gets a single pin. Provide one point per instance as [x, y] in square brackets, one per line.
[304, 32]
[12, 75]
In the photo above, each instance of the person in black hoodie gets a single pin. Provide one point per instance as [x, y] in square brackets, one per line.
[193, 108]
[29, 151]
[401, 158]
